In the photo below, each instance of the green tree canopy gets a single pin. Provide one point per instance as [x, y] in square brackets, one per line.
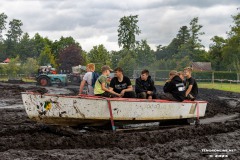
[144, 54]
[3, 22]
[71, 56]
[14, 33]
[100, 56]
[46, 57]
[26, 47]
[61, 44]
[30, 66]
[127, 30]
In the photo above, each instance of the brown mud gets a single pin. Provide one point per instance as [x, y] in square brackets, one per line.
[21, 138]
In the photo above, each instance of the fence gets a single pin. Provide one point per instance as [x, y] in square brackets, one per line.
[222, 77]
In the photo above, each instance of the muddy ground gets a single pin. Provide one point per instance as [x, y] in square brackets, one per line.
[21, 138]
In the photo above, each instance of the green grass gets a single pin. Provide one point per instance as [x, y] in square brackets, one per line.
[24, 79]
[221, 86]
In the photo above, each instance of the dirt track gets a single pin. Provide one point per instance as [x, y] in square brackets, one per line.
[25, 139]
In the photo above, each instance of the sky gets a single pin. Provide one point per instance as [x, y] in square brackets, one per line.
[95, 22]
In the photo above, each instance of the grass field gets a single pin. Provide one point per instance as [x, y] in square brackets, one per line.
[233, 87]
[221, 86]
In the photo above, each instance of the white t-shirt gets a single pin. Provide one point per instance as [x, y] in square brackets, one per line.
[88, 78]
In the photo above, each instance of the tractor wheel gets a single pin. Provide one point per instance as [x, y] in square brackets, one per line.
[75, 79]
[44, 81]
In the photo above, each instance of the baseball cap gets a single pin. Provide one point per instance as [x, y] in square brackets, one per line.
[105, 67]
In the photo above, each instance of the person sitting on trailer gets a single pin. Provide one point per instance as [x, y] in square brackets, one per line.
[191, 84]
[87, 78]
[100, 88]
[121, 84]
[144, 86]
[174, 89]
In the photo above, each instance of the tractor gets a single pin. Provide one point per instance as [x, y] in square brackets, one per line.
[47, 76]
[75, 77]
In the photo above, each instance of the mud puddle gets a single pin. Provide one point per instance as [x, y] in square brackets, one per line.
[219, 118]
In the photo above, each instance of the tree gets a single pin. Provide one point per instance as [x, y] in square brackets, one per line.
[144, 54]
[189, 42]
[40, 43]
[195, 28]
[216, 52]
[128, 64]
[26, 47]
[100, 56]
[3, 22]
[115, 58]
[14, 33]
[13, 37]
[70, 56]
[127, 30]
[183, 35]
[13, 67]
[46, 57]
[61, 44]
[231, 51]
[30, 66]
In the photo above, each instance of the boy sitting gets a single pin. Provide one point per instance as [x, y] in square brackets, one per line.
[191, 84]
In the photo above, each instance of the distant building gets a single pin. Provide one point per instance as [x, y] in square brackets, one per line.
[201, 66]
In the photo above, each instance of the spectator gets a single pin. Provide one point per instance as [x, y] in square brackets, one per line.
[101, 84]
[191, 84]
[145, 88]
[87, 79]
[121, 84]
[174, 89]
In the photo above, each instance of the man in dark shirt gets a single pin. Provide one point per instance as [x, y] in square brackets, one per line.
[121, 84]
[191, 84]
[145, 88]
[174, 89]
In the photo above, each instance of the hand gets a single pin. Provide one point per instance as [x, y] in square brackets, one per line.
[168, 80]
[119, 95]
[122, 92]
[149, 97]
[149, 92]
[109, 79]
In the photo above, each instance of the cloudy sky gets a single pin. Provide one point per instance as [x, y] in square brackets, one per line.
[94, 22]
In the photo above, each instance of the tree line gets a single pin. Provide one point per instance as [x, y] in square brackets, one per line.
[185, 47]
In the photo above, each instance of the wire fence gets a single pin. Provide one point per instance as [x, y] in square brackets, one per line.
[210, 77]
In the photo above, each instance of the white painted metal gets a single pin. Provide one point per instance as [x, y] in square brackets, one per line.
[76, 110]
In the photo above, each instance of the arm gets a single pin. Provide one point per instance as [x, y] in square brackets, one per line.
[128, 89]
[82, 86]
[138, 87]
[129, 86]
[112, 84]
[167, 87]
[152, 88]
[189, 90]
[108, 90]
